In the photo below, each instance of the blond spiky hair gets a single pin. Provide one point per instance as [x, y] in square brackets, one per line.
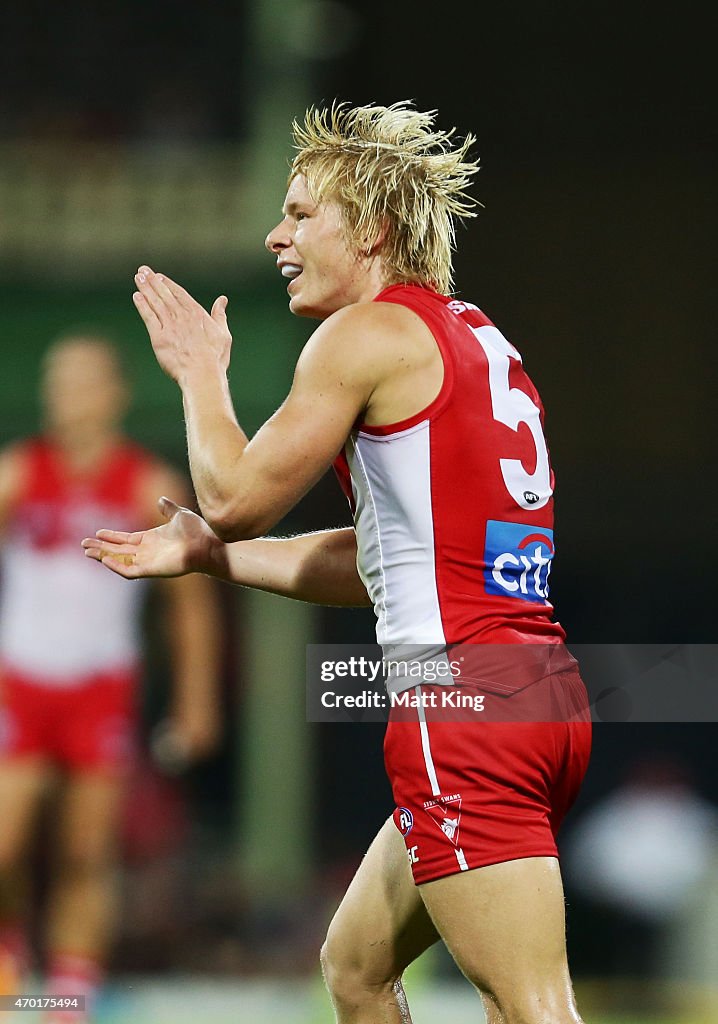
[390, 171]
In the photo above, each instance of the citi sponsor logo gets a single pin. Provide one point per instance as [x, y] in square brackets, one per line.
[518, 560]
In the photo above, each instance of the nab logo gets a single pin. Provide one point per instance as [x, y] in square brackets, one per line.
[518, 560]
[404, 820]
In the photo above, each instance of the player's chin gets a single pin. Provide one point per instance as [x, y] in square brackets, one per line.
[301, 307]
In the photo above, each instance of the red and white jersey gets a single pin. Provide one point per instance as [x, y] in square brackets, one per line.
[453, 507]
[62, 619]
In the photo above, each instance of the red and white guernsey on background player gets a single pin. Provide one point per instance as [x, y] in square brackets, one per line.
[69, 665]
[436, 433]
[70, 661]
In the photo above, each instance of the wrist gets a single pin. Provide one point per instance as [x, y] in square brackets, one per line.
[214, 557]
[205, 374]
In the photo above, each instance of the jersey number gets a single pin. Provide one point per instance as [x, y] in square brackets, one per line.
[512, 407]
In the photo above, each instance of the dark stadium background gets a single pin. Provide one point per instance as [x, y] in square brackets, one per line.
[594, 254]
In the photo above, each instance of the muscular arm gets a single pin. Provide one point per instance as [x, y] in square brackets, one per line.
[245, 487]
[315, 567]
[372, 361]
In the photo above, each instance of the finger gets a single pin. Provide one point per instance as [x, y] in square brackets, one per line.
[114, 558]
[167, 291]
[92, 545]
[90, 542]
[178, 292]
[92, 549]
[130, 571]
[126, 553]
[167, 507]
[119, 536]
[157, 295]
[151, 321]
[219, 310]
[126, 559]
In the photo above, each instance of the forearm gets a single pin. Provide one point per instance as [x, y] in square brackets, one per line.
[194, 638]
[215, 441]
[317, 567]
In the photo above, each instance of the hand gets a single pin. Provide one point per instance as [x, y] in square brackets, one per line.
[183, 334]
[185, 737]
[183, 544]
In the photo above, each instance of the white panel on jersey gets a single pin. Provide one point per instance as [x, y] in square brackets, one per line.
[391, 480]
[61, 619]
[426, 746]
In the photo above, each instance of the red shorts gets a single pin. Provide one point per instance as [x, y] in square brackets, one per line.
[472, 791]
[88, 726]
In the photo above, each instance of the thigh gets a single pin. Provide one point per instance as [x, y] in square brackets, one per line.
[89, 815]
[381, 925]
[23, 782]
[504, 925]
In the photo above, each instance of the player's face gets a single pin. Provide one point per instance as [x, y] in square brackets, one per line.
[324, 271]
[82, 388]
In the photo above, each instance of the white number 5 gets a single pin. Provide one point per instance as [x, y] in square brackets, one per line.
[512, 406]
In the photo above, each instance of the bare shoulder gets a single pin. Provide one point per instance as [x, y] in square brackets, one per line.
[383, 321]
[13, 470]
[395, 355]
[13, 463]
[372, 336]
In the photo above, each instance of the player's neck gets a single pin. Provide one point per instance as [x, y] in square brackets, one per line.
[83, 452]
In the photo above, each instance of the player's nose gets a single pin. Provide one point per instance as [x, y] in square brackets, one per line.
[278, 238]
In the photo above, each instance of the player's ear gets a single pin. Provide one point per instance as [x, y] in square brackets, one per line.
[373, 244]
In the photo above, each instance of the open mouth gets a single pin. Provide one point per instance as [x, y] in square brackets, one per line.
[291, 271]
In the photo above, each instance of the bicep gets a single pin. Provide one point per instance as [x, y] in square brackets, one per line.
[296, 446]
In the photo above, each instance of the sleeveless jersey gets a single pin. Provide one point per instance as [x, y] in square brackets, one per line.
[453, 507]
[62, 619]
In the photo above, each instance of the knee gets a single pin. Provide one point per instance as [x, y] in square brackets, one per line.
[330, 967]
[537, 1008]
[353, 977]
[343, 973]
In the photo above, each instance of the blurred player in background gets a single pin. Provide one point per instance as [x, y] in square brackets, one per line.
[71, 661]
[436, 432]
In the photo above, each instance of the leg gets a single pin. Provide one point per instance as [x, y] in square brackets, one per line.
[379, 929]
[83, 898]
[504, 925]
[23, 782]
